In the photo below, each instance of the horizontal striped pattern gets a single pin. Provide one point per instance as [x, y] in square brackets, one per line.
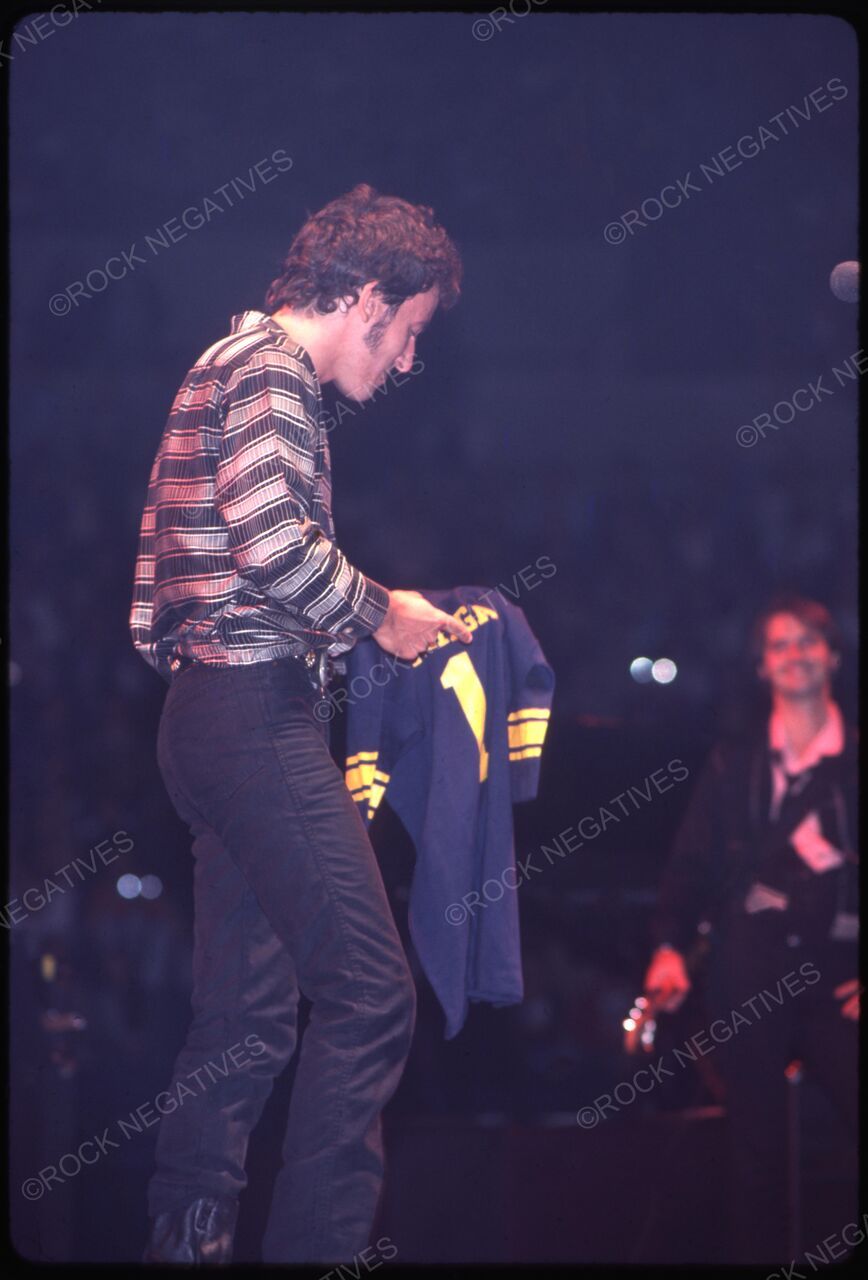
[365, 781]
[526, 729]
[237, 561]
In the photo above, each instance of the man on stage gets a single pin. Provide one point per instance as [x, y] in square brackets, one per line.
[244, 602]
[768, 853]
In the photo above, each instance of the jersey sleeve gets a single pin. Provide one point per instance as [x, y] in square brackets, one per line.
[532, 683]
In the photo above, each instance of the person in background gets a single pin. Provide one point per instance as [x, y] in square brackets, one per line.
[768, 854]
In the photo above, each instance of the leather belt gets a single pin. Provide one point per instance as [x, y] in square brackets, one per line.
[318, 665]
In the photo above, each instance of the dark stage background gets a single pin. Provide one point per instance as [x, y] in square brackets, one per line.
[580, 403]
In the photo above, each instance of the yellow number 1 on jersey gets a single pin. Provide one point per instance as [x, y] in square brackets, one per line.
[460, 676]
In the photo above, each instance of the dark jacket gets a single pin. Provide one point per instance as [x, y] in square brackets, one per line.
[726, 840]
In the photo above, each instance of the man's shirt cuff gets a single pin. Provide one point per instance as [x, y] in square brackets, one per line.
[370, 612]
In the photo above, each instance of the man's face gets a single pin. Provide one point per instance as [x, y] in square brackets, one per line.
[797, 660]
[376, 345]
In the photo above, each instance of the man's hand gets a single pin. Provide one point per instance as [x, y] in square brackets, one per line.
[412, 624]
[667, 978]
[851, 989]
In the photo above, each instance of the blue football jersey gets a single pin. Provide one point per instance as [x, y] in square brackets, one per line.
[451, 741]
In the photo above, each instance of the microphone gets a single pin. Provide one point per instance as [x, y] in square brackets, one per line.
[844, 281]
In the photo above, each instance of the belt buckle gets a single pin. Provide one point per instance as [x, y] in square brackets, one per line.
[317, 663]
[180, 662]
[323, 672]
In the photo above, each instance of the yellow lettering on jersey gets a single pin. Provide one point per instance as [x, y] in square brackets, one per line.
[473, 616]
[461, 677]
[465, 615]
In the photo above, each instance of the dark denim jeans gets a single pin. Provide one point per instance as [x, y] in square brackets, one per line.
[288, 896]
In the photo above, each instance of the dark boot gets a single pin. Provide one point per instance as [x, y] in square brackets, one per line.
[199, 1234]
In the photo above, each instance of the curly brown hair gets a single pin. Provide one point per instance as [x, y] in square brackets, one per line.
[364, 236]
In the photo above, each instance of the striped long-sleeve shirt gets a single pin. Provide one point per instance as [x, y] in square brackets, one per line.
[237, 561]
